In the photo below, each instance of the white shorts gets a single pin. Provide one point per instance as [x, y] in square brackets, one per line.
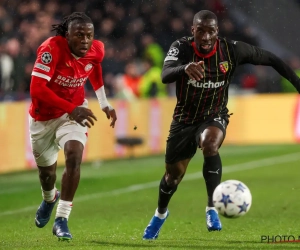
[48, 137]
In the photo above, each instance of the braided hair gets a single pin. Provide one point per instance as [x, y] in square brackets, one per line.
[62, 27]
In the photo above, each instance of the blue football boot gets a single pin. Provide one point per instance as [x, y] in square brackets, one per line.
[44, 211]
[152, 230]
[61, 230]
[213, 222]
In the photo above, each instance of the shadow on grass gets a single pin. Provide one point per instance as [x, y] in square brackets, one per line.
[223, 244]
[158, 244]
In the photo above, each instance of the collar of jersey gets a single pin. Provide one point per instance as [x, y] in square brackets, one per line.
[76, 57]
[198, 53]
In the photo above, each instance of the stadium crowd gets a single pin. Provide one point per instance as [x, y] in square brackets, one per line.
[137, 35]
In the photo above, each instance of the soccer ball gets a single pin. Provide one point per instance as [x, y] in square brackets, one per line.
[232, 198]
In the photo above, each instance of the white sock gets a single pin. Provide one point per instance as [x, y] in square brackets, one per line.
[211, 208]
[161, 216]
[63, 209]
[49, 196]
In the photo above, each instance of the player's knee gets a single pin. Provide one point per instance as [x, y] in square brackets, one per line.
[73, 158]
[175, 173]
[47, 175]
[210, 147]
[173, 180]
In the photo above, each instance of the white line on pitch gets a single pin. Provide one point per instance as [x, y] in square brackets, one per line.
[271, 161]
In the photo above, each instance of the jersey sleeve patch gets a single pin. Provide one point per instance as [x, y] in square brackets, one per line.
[173, 51]
[171, 58]
[42, 67]
[172, 54]
[46, 57]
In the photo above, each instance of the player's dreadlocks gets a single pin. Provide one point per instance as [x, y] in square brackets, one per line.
[62, 28]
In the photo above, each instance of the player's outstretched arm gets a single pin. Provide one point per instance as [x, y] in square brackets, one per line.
[247, 53]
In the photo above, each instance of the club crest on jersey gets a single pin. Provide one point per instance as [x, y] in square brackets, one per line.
[223, 66]
[88, 67]
[46, 57]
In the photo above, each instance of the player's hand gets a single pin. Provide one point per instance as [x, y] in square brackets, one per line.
[83, 116]
[110, 114]
[195, 70]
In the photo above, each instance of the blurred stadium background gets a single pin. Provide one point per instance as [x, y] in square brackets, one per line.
[137, 35]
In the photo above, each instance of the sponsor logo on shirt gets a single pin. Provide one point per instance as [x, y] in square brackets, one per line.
[206, 85]
[70, 81]
[42, 67]
[88, 67]
[46, 57]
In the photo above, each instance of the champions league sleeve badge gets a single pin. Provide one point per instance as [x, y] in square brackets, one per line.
[46, 57]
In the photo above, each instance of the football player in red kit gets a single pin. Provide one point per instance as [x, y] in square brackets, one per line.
[59, 116]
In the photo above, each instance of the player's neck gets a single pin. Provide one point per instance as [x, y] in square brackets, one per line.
[76, 57]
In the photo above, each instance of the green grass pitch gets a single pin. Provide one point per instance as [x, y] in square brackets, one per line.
[116, 200]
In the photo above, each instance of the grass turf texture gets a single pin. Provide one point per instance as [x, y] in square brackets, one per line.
[116, 200]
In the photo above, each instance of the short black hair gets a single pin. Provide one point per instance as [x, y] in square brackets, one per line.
[204, 15]
[62, 28]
